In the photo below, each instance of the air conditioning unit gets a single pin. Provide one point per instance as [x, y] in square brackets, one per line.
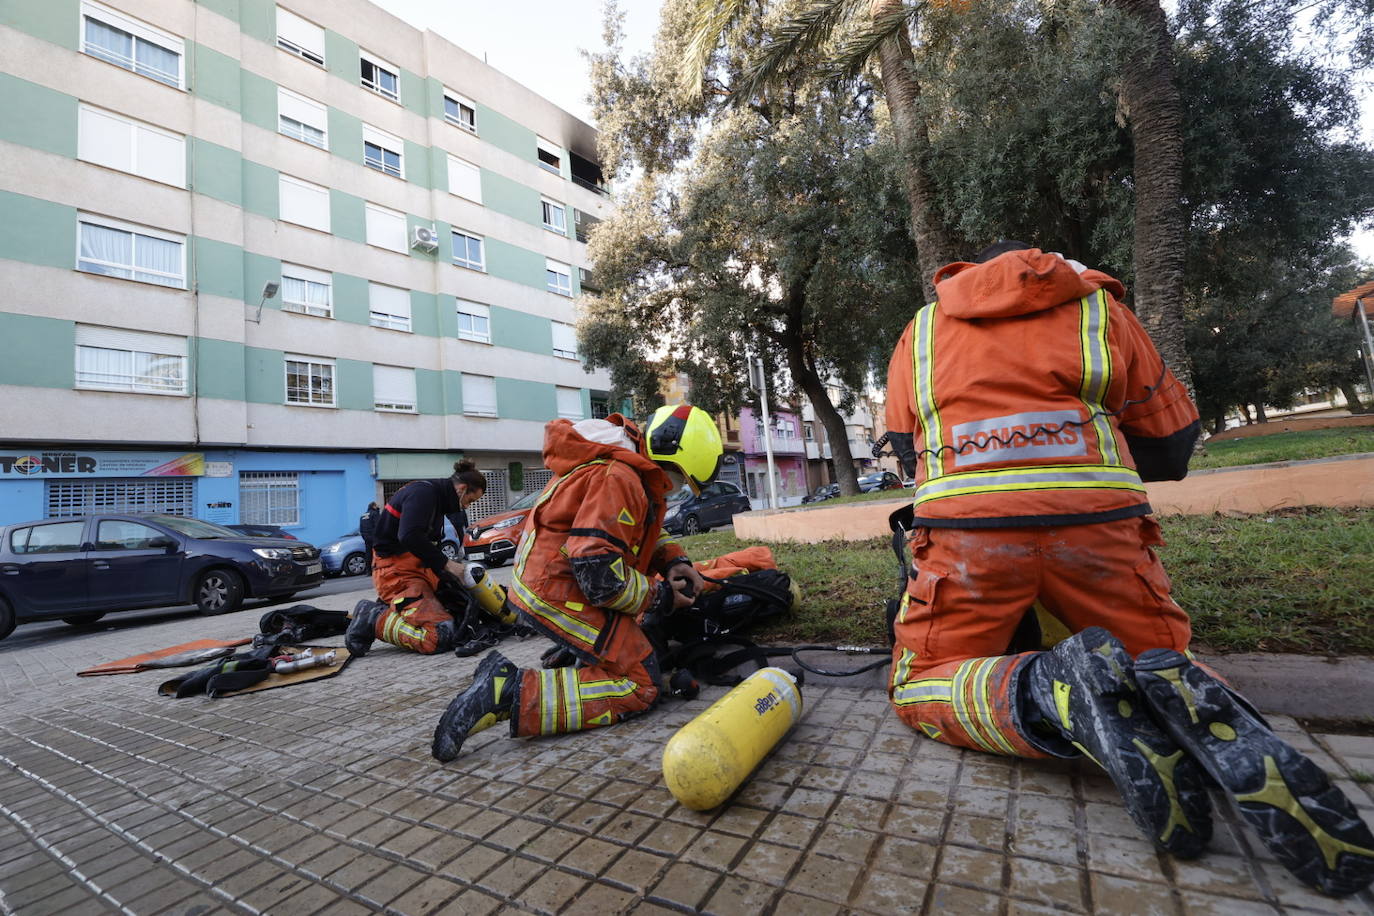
[424, 238]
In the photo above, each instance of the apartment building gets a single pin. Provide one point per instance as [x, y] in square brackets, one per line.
[264, 262]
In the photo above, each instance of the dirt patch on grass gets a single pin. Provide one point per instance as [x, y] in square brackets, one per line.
[1291, 426]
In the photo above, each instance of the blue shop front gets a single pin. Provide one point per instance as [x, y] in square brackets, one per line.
[316, 496]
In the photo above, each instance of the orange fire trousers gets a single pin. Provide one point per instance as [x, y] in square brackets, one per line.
[415, 619]
[950, 678]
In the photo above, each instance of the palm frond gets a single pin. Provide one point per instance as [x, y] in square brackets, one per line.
[712, 19]
[853, 53]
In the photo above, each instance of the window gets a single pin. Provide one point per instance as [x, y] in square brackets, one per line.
[467, 250]
[390, 307]
[117, 534]
[570, 403]
[118, 249]
[393, 388]
[474, 321]
[555, 217]
[269, 498]
[63, 537]
[126, 42]
[479, 395]
[464, 179]
[295, 35]
[810, 433]
[386, 228]
[110, 359]
[302, 119]
[307, 291]
[112, 140]
[380, 77]
[383, 152]
[124, 496]
[309, 381]
[601, 408]
[303, 203]
[550, 156]
[583, 223]
[564, 340]
[558, 277]
[460, 111]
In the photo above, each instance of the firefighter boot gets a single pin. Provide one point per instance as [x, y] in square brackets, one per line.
[490, 698]
[1309, 825]
[362, 627]
[1085, 689]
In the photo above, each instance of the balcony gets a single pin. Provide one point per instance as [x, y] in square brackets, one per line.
[588, 280]
[587, 174]
[583, 224]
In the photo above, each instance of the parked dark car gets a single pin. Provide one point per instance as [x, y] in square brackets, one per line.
[823, 492]
[716, 506]
[883, 480]
[79, 569]
[345, 556]
[264, 531]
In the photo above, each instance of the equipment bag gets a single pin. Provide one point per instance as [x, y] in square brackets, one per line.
[740, 603]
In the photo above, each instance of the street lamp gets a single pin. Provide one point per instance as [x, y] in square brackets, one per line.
[269, 291]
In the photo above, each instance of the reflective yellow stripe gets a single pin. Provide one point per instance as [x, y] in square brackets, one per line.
[982, 696]
[1067, 477]
[600, 690]
[1097, 370]
[632, 597]
[548, 701]
[926, 690]
[961, 707]
[923, 373]
[568, 624]
[573, 722]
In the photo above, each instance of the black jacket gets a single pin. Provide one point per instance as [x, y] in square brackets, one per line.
[367, 525]
[413, 521]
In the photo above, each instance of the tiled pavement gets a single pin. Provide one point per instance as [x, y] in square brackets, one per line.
[323, 798]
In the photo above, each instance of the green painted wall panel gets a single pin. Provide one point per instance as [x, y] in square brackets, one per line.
[429, 391]
[521, 331]
[258, 19]
[219, 369]
[341, 56]
[512, 198]
[258, 270]
[37, 117]
[37, 351]
[434, 98]
[438, 169]
[57, 21]
[415, 465]
[447, 307]
[37, 231]
[352, 384]
[264, 375]
[424, 316]
[216, 171]
[414, 92]
[417, 163]
[214, 76]
[259, 101]
[218, 268]
[453, 393]
[586, 402]
[511, 262]
[261, 190]
[506, 134]
[345, 135]
[517, 399]
[350, 299]
[347, 218]
[229, 9]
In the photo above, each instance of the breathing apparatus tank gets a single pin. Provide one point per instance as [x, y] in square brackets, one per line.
[711, 756]
[489, 596]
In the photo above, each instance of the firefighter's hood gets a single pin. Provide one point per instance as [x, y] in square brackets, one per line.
[1017, 283]
[568, 444]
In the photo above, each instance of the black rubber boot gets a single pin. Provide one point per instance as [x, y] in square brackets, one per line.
[1309, 825]
[490, 698]
[1084, 688]
[362, 627]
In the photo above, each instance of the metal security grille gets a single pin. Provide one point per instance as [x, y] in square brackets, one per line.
[537, 479]
[496, 499]
[136, 495]
[269, 498]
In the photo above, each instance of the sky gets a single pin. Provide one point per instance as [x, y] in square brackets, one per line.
[538, 44]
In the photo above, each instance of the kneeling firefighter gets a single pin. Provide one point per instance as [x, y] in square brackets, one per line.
[583, 575]
[408, 562]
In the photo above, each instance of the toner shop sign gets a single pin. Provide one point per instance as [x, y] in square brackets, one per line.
[100, 464]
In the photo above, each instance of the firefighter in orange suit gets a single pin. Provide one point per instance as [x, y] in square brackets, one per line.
[1037, 406]
[408, 561]
[585, 570]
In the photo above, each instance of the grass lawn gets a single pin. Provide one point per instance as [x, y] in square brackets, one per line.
[1294, 446]
[1299, 580]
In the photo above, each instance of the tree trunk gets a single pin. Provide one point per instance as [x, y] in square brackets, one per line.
[805, 376]
[1260, 416]
[1245, 412]
[1218, 423]
[936, 245]
[1151, 99]
[1352, 400]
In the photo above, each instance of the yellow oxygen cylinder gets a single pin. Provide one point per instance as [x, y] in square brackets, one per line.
[711, 756]
[489, 596]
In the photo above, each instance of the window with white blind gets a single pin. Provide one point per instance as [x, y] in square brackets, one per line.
[390, 307]
[380, 76]
[309, 381]
[302, 119]
[474, 321]
[118, 249]
[383, 152]
[307, 291]
[393, 388]
[386, 228]
[558, 277]
[479, 395]
[464, 179]
[460, 111]
[117, 142]
[132, 44]
[555, 217]
[303, 203]
[299, 37]
[550, 156]
[467, 250]
[570, 403]
[112, 359]
[269, 498]
[564, 340]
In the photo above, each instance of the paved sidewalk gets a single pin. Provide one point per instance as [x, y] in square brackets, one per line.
[323, 798]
